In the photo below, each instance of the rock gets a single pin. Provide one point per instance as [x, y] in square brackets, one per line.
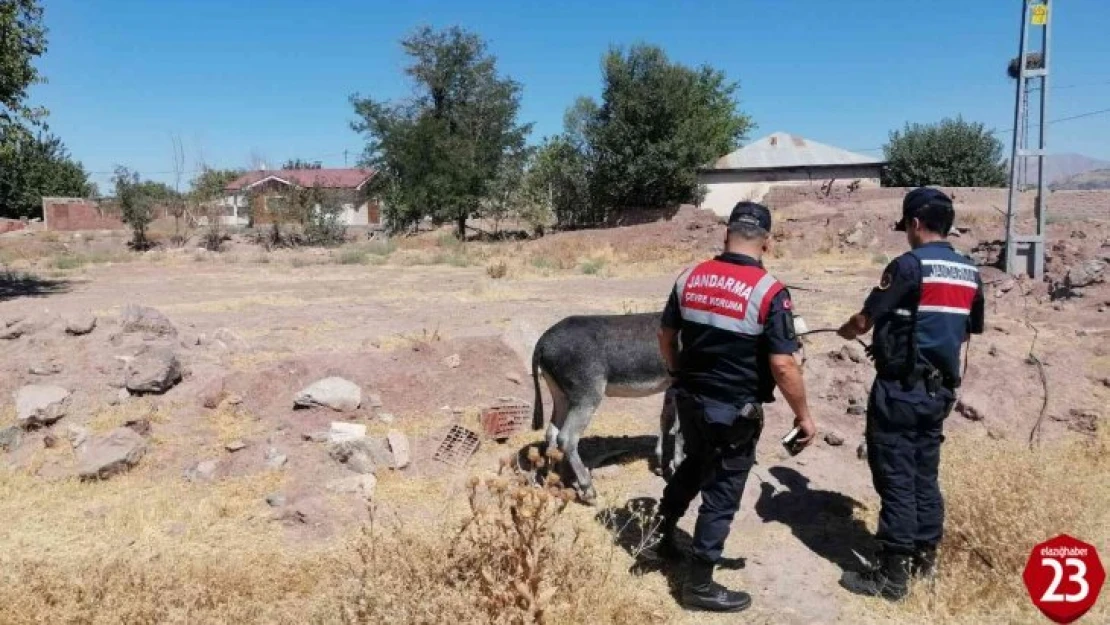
[861, 451]
[857, 410]
[228, 338]
[154, 370]
[146, 320]
[275, 459]
[45, 369]
[1085, 274]
[399, 447]
[316, 437]
[454, 361]
[38, 404]
[49, 441]
[512, 377]
[852, 352]
[1007, 285]
[275, 500]
[335, 393]
[115, 452]
[10, 438]
[81, 323]
[969, 412]
[362, 455]
[234, 400]
[236, 445]
[834, 439]
[139, 426]
[123, 395]
[77, 435]
[204, 471]
[357, 484]
[855, 237]
[213, 393]
[342, 432]
[25, 326]
[995, 434]
[375, 400]
[386, 417]
[1085, 421]
[993, 351]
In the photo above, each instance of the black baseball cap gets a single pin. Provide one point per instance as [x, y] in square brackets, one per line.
[925, 201]
[750, 214]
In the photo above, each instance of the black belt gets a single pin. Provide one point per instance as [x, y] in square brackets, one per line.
[932, 377]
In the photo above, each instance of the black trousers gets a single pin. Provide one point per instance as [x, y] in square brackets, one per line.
[905, 429]
[719, 446]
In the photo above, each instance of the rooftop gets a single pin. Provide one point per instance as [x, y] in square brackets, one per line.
[352, 178]
[780, 150]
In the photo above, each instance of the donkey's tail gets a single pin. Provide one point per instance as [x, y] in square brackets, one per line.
[537, 410]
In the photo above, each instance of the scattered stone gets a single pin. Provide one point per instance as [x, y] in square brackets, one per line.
[1082, 421]
[316, 437]
[1085, 274]
[1007, 285]
[851, 352]
[147, 321]
[115, 452]
[77, 435]
[399, 447]
[362, 455]
[139, 426]
[204, 471]
[227, 338]
[335, 393]
[275, 459]
[236, 445]
[855, 237]
[375, 400]
[213, 393]
[993, 351]
[25, 326]
[386, 417]
[1002, 329]
[123, 395]
[342, 432]
[355, 484]
[1106, 382]
[995, 434]
[857, 410]
[81, 323]
[861, 451]
[512, 377]
[10, 438]
[45, 369]
[49, 440]
[154, 370]
[234, 400]
[1058, 307]
[275, 500]
[454, 361]
[969, 412]
[38, 404]
[833, 439]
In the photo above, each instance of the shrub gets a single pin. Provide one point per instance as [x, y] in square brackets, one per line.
[352, 257]
[593, 266]
[497, 270]
[951, 153]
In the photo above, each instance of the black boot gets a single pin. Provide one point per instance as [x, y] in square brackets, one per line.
[890, 580]
[700, 592]
[667, 548]
[924, 563]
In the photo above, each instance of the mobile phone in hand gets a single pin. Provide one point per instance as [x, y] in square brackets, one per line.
[790, 442]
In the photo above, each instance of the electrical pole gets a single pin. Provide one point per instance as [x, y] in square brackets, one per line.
[1025, 252]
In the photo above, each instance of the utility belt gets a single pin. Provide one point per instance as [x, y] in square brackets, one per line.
[723, 426]
[933, 378]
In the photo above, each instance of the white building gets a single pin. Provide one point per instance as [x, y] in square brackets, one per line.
[249, 197]
[782, 159]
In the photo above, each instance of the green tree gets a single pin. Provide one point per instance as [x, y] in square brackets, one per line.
[438, 152]
[209, 184]
[658, 121]
[136, 204]
[35, 167]
[297, 163]
[950, 153]
[559, 181]
[22, 40]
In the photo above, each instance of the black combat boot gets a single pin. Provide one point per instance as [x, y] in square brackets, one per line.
[700, 592]
[889, 580]
[924, 563]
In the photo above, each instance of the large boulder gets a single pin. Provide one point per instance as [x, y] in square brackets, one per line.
[147, 321]
[16, 327]
[153, 370]
[40, 404]
[335, 393]
[115, 452]
[363, 455]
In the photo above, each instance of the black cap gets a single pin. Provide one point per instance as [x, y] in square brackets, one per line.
[925, 201]
[750, 214]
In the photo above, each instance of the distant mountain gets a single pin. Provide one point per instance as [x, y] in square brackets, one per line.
[1094, 179]
[1059, 167]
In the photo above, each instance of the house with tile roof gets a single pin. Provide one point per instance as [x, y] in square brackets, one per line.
[254, 197]
[782, 159]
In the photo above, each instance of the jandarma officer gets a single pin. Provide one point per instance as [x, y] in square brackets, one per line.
[736, 329]
[927, 303]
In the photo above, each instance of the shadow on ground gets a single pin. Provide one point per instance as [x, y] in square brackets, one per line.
[14, 284]
[822, 520]
[600, 451]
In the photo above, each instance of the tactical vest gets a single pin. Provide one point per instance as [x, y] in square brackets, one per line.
[724, 306]
[931, 325]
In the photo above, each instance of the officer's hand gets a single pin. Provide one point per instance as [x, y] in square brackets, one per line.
[808, 431]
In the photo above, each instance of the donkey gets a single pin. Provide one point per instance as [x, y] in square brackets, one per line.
[584, 358]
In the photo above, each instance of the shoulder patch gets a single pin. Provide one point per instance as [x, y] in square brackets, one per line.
[886, 280]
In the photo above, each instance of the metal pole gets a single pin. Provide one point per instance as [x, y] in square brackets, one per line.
[1012, 203]
[1042, 199]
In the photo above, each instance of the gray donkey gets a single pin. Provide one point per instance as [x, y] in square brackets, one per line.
[585, 358]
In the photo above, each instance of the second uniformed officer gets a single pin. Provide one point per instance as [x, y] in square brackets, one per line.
[736, 329]
[928, 302]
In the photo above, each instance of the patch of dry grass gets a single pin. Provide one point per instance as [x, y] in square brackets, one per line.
[1002, 499]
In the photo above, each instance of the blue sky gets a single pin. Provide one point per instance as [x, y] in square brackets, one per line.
[234, 79]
